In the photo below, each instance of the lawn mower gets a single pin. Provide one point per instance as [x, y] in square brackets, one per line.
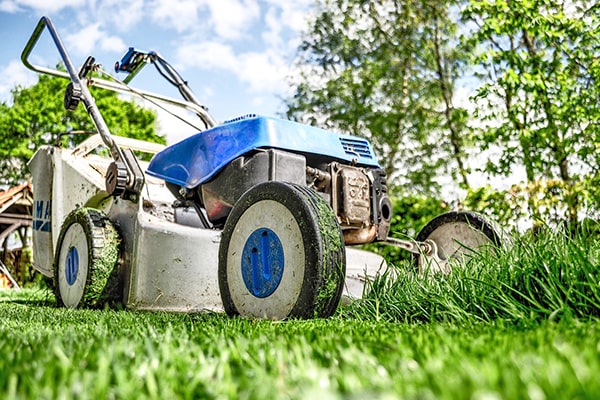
[257, 216]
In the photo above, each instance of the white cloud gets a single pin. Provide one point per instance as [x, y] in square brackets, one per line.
[289, 17]
[261, 71]
[112, 43]
[208, 55]
[257, 101]
[294, 13]
[13, 74]
[178, 15]
[264, 72]
[264, 68]
[232, 18]
[228, 19]
[120, 15]
[272, 36]
[39, 6]
[91, 37]
[8, 6]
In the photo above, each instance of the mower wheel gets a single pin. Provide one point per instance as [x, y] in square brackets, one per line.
[456, 235]
[281, 255]
[85, 264]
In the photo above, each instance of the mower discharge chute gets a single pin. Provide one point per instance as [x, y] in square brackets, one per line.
[254, 216]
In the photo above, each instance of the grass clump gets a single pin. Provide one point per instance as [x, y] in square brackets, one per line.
[548, 276]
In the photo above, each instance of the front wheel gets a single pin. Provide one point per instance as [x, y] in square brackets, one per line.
[85, 264]
[281, 254]
[455, 236]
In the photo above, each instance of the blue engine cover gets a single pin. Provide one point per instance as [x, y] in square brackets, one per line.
[197, 159]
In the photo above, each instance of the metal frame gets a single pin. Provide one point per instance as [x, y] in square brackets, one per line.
[115, 85]
[74, 76]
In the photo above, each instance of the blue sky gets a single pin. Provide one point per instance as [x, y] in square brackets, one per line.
[235, 54]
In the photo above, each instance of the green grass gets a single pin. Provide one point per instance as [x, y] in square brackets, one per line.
[518, 324]
[551, 276]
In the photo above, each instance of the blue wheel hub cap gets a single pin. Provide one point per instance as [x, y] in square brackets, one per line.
[72, 266]
[262, 262]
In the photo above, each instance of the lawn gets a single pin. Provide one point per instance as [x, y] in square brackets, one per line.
[467, 336]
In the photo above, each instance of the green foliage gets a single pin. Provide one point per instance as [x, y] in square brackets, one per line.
[505, 207]
[511, 207]
[539, 97]
[37, 117]
[392, 72]
[386, 71]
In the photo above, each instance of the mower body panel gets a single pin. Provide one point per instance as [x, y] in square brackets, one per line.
[164, 265]
[197, 159]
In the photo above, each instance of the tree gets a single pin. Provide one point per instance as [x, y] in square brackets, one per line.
[37, 117]
[541, 98]
[386, 70]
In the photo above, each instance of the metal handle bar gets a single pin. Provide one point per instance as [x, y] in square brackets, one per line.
[115, 86]
[72, 75]
[119, 87]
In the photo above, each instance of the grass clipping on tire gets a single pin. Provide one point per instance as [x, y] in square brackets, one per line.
[103, 282]
[329, 294]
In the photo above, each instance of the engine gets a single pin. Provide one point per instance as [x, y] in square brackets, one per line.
[359, 199]
[358, 195]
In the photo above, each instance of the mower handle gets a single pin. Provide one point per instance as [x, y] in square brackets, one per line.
[115, 86]
[73, 75]
[133, 62]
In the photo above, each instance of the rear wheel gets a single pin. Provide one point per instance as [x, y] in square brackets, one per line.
[456, 235]
[281, 254]
[85, 265]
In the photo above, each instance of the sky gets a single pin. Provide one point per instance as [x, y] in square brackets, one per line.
[235, 55]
